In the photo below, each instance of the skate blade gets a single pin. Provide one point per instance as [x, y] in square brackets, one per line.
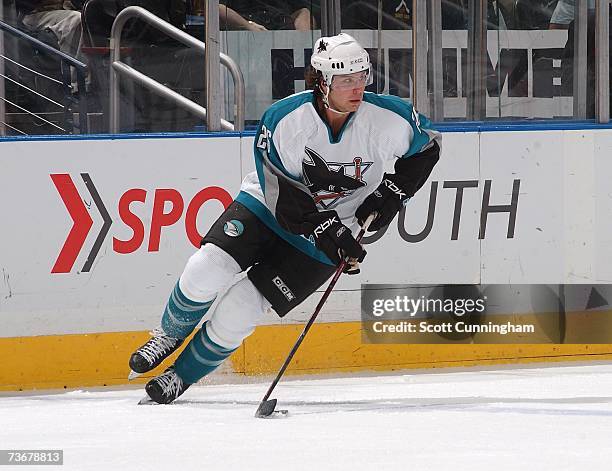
[133, 375]
[147, 401]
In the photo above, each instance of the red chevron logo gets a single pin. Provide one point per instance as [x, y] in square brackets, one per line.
[160, 218]
[82, 223]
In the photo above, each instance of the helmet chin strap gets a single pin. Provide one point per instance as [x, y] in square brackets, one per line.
[328, 106]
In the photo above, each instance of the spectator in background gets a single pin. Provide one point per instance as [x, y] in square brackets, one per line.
[564, 13]
[60, 17]
[363, 14]
[276, 14]
[229, 19]
[397, 14]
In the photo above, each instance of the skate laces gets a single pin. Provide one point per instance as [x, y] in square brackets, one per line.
[157, 346]
[171, 383]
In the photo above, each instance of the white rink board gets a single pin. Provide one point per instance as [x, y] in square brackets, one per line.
[121, 291]
[534, 254]
[602, 226]
[562, 230]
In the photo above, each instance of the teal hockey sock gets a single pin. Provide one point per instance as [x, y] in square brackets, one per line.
[182, 314]
[200, 357]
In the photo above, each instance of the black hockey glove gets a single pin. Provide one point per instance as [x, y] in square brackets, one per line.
[385, 201]
[397, 188]
[334, 238]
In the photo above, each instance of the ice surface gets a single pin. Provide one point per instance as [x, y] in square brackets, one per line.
[549, 418]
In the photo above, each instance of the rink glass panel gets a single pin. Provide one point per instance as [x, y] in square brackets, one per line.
[526, 69]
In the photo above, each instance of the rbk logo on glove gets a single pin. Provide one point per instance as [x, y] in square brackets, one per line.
[321, 228]
[386, 200]
[333, 238]
[394, 188]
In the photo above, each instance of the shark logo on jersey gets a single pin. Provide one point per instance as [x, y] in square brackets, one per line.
[328, 181]
[233, 228]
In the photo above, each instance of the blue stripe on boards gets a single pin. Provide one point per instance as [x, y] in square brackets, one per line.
[454, 126]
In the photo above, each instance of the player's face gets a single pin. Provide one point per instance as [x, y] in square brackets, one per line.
[346, 91]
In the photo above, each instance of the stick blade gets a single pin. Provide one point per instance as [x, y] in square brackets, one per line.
[266, 408]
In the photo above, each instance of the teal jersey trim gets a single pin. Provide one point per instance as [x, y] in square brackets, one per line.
[270, 120]
[393, 103]
[342, 129]
[299, 242]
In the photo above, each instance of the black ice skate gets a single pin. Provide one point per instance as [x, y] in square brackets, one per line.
[152, 353]
[164, 388]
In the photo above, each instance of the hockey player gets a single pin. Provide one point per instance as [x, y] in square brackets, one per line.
[320, 159]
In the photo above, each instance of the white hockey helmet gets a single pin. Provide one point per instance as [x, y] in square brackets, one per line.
[340, 55]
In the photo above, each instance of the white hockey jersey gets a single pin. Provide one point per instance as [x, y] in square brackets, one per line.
[302, 167]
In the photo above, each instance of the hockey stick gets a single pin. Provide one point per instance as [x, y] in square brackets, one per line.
[267, 406]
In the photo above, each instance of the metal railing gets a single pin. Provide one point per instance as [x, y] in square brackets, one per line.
[3, 125]
[81, 72]
[119, 68]
[427, 58]
[602, 54]
[579, 74]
